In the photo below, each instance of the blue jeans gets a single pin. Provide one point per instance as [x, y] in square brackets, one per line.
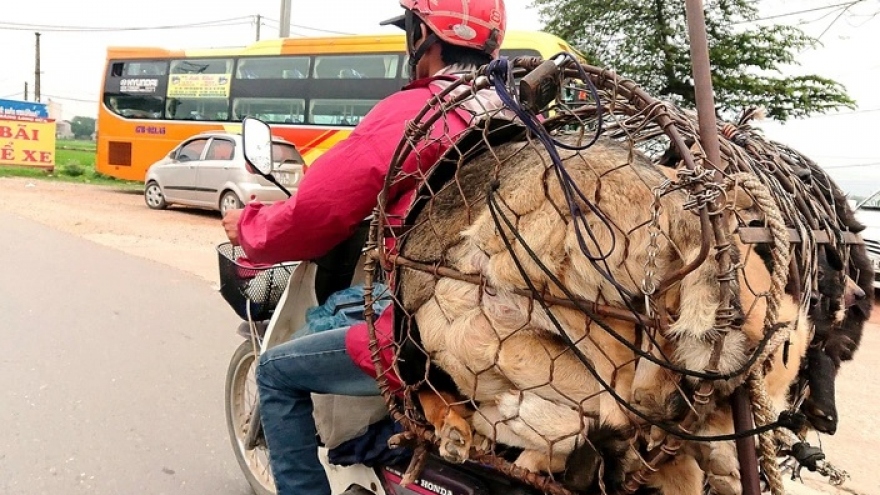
[287, 376]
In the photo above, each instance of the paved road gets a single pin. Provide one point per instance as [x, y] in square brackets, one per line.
[112, 369]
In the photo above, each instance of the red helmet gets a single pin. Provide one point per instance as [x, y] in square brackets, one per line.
[478, 24]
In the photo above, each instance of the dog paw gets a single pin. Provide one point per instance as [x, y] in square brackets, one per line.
[401, 440]
[456, 439]
[509, 404]
[722, 468]
[729, 484]
[533, 461]
[646, 402]
[482, 443]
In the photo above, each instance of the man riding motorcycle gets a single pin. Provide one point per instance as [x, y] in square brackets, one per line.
[340, 190]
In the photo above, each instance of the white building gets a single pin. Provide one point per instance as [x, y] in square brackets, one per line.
[63, 130]
[54, 109]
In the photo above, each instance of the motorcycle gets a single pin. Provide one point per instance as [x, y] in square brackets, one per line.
[273, 303]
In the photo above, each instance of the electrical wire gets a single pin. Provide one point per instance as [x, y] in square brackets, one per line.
[833, 22]
[101, 29]
[854, 165]
[844, 114]
[67, 98]
[845, 5]
[307, 28]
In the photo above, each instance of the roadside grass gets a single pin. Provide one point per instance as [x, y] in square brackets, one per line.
[74, 162]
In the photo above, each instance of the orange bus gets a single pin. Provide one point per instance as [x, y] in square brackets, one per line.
[311, 90]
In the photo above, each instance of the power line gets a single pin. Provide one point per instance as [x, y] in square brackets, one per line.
[233, 21]
[842, 11]
[855, 165]
[843, 114]
[846, 5]
[101, 29]
[308, 28]
[67, 98]
[835, 157]
[319, 30]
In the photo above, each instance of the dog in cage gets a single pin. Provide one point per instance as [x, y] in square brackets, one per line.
[840, 281]
[563, 385]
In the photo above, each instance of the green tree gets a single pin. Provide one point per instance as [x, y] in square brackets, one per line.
[647, 41]
[82, 127]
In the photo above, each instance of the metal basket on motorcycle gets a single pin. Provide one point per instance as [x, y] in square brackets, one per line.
[252, 291]
[580, 295]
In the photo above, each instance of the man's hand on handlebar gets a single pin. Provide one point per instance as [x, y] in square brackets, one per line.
[230, 224]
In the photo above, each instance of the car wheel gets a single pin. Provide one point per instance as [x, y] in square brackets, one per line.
[229, 201]
[153, 196]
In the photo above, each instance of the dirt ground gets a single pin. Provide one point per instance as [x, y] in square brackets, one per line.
[117, 218]
[186, 239]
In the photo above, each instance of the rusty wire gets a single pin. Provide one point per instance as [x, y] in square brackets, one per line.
[531, 309]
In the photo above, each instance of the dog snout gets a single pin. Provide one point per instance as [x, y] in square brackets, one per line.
[854, 293]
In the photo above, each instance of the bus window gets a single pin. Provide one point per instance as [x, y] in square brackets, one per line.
[139, 68]
[509, 53]
[202, 66]
[273, 68]
[523, 52]
[145, 69]
[197, 109]
[339, 112]
[271, 110]
[356, 66]
[135, 106]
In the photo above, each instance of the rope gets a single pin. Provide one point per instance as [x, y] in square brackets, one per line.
[763, 411]
[780, 252]
[762, 405]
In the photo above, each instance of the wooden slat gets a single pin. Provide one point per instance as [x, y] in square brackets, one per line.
[761, 235]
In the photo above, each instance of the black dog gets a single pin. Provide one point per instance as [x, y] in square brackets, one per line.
[841, 304]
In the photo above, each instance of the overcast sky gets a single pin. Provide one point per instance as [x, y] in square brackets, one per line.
[72, 61]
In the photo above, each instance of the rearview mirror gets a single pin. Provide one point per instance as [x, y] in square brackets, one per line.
[257, 139]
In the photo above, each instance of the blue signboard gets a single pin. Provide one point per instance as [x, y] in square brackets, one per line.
[23, 110]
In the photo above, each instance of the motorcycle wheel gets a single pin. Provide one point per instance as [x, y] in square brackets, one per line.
[241, 399]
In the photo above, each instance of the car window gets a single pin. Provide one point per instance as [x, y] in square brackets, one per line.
[220, 149]
[192, 150]
[285, 153]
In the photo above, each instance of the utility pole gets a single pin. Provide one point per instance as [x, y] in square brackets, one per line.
[37, 71]
[284, 27]
[259, 22]
[25, 91]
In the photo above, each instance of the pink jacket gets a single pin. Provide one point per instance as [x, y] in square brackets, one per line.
[340, 190]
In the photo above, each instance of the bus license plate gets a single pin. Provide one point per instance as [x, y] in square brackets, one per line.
[282, 177]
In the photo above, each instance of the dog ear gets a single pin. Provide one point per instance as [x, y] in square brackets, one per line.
[833, 258]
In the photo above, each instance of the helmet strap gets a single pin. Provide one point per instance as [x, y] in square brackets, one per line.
[492, 42]
[413, 34]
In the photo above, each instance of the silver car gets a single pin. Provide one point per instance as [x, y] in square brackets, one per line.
[868, 213]
[208, 171]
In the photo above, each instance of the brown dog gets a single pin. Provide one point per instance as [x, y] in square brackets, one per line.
[507, 353]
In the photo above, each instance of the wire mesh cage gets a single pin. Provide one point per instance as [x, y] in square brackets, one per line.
[578, 291]
[252, 291]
